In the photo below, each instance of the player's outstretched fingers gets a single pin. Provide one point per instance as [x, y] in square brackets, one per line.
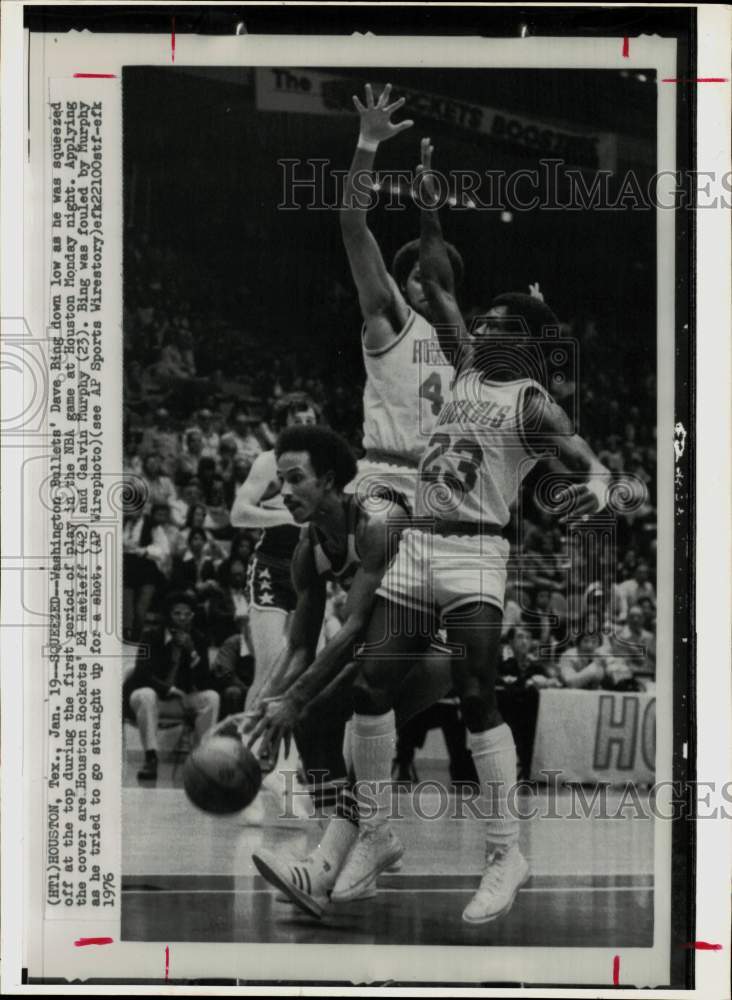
[369, 95]
[399, 103]
[359, 107]
[384, 97]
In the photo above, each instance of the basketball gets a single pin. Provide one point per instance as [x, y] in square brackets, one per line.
[222, 776]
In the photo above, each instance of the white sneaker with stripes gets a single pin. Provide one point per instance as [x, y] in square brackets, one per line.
[305, 882]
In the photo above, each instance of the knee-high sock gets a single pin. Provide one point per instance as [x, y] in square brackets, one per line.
[373, 741]
[494, 753]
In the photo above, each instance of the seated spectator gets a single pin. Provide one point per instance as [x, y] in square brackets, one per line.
[187, 464]
[642, 661]
[210, 437]
[648, 608]
[548, 615]
[618, 672]
[579, 666]
[218, 514]
[248, 445]
[233, 670]
[197, 517]
[147, 564]
[159, 488]
[207, 475]
[164, 440]
[195, 573]
[639, 585]
[171, 679]
[228, 607]
[518, 697]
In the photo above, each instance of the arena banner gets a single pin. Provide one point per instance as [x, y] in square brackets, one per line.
[311, 92]
[596, 736]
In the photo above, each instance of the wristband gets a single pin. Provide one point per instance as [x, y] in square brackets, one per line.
[369, 145]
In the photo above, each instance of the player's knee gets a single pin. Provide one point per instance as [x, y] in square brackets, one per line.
[143, 698]
[479, 710]
[371, 697]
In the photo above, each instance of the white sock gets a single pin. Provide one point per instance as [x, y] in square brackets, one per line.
[494, 753]
[337, 840]
[373, 742]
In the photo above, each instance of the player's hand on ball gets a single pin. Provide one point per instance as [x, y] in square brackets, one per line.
[279, 719]
[376, 123]
[425, 188]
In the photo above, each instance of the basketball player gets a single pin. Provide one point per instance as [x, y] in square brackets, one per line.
[403, 395]
[351, 542]
[258, 504]
[452, 564]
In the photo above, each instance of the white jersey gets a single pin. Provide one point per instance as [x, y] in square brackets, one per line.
[407, 383]
[481, 451]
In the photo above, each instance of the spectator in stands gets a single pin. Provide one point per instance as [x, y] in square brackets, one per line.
[229, 606]
[218, 519]
[158, 487]
[210, 437]
[648, 607]
[187, 464]
[579, 666]
[518, 700]
[163, 439]
[147, 563]
[248, 445]
[618, 674]
[194, 571]
[233, 670]
[197, 517]
[639, 585]
[643, 662]
[171, 679]
[548, 615]
[207, 475]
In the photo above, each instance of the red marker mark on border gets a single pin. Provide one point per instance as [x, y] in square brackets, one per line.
[703, 946]
[626, 47]
[699, 79]
[83, 942]
[167, 961]
[172, 42]
[95, 76]
[616, 970]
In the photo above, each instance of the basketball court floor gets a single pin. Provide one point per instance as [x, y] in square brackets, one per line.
[188, 876]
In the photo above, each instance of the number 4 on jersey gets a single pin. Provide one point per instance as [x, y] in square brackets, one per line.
[431, 389]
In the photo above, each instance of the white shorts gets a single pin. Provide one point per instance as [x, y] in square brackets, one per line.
[373, 476]
[438, 573]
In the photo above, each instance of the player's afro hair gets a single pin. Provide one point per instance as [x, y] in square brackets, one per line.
[532, 310]
[407, 256]
[328, 451]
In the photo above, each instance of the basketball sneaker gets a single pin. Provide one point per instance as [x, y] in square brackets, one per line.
[376, 850]
[306, 882]
[505, 872]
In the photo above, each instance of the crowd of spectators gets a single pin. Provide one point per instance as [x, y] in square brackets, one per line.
[199, 396]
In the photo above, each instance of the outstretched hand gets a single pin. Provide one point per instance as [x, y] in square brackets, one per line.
[279, 717]
[376, 123]
[425, 189]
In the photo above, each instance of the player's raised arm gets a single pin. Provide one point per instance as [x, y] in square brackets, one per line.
[435, 269]
[545, 420]
[383, 308]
